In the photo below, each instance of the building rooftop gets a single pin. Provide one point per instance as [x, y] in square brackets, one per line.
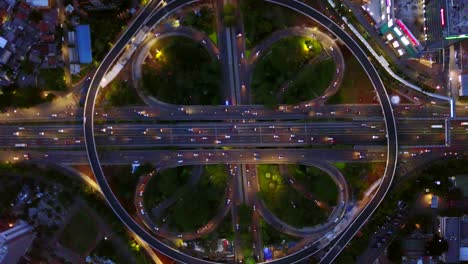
[457, 18]
[39, 3]
[83, 39]
[464, 87]
[14, 242]
[461, 182]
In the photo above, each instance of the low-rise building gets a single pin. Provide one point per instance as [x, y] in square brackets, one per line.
[15, 241]
[464, 84]
[455, 231]
[83, 40]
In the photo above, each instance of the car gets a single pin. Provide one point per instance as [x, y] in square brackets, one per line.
[179, 154]
[375, 137]
[179, 235]
[142, 211]
[60, 130]
[280, 157]
[180, 161]
[16, 133]
[141, 193]
[217, 141]
[228, 201]
[253, 207]
[275, 136]
[41, 133]
[237, 227]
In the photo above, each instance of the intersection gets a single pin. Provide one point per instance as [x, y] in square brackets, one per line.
[239, 135]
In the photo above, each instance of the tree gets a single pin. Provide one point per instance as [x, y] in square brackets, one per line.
[229, 15]
[35, 16]
[436, 246]
[394, 252]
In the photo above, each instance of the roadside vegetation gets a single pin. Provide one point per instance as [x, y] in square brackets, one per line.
[285, 202]
[356, 86]
[202, 19]
[164, 184]
[272, 237]
[317, 182]
[197, 207]
[245, 233]
[120, 93]
[123, 182]
[360, 176]
[23, 97]
[79, 233]
[310, 82]
[229, 15]
[52, 79]
[284, 75]
[180, 71]
[262, 18]
[105, 27]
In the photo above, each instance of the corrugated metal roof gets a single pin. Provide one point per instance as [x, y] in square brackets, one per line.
[83, 40]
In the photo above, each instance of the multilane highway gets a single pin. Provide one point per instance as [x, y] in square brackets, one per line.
[219, 134]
